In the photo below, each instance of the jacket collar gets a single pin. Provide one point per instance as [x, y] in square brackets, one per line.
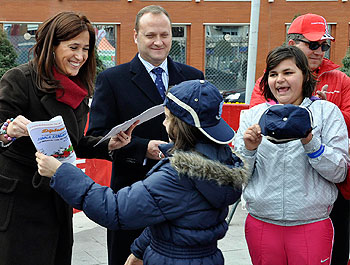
[326, 66]
[144, 82]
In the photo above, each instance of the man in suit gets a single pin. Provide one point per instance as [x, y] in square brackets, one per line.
[127, 90]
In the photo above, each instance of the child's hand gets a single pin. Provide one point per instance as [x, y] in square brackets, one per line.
[47, 165]
[252, 137]
[307, 139]
[132, 260]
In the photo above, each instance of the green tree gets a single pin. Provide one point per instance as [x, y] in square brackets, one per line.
[346, 63]
[8, 54]
[99, 64]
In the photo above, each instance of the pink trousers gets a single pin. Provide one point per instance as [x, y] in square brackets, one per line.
[270, 244]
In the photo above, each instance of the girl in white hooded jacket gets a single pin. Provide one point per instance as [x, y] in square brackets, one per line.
[292, 188]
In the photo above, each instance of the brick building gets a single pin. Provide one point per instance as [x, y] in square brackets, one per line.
[211, 35]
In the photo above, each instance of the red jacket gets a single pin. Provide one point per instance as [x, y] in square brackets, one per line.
[338, 93]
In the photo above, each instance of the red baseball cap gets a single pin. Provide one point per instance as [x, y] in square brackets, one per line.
[312, 27]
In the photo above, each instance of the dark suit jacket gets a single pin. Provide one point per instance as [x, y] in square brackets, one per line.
[123, 92]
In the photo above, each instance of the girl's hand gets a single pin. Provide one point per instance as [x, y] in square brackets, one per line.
[252, 137]
[122, 138]
[47, 165]
[307, 139]
[132, 260]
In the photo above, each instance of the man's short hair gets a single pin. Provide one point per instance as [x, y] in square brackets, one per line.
[150, 9]
[295, 37]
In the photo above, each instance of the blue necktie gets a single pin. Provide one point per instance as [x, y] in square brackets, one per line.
[159, 82]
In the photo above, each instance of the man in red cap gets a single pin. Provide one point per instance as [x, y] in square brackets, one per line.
[309, 32]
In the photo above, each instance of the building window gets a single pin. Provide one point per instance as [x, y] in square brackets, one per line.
[311, 0]
[178, 46]
[22, 37]
[226, 56]
[166, 0]
[106, 39]
[227, 0]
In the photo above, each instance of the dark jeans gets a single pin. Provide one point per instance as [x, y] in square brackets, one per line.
[340, 218]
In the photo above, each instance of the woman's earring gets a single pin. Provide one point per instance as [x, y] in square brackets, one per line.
[54, 55]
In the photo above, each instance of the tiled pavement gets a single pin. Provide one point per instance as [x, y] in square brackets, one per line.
[90, 241]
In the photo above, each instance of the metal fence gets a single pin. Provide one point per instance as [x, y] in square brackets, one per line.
[178, 50]
[226, 60]
[178, 46]
[22, 38]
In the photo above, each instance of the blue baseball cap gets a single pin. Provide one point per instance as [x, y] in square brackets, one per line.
[283, 123]
[199, 103]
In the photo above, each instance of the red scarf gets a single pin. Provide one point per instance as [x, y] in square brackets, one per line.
[73, 92]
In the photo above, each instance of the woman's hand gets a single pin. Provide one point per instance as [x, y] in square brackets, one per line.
[132, 260]
[18, 127]
[252, 137]
[122, 138]
[47, 165]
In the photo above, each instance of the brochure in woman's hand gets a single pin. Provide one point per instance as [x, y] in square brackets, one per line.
[51, 138]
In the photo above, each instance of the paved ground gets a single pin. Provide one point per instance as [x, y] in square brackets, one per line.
[90, 241]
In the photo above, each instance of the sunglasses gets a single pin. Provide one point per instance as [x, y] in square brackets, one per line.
[314, 45]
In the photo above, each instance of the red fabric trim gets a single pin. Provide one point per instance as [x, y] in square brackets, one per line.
[344, 187]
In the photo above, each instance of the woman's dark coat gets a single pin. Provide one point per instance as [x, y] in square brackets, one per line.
[35, 223]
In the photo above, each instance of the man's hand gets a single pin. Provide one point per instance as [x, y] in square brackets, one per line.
[122, 138]
[47, 165]
[132, 260]
[153, 151]
[252, 137]
[323, 93]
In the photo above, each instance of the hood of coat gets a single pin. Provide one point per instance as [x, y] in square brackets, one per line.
[217, 173]
[198, 167]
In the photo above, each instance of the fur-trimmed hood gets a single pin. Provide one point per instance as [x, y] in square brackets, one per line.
[215, 171]
[197, 166]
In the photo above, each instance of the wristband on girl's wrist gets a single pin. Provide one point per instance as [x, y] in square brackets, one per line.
[317, 153]
[3, 130]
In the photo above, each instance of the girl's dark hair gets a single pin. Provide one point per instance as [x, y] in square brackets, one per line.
[183, 135]
[279, 54]
[62, 27]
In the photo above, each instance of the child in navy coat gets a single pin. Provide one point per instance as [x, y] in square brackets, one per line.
[184, 199]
